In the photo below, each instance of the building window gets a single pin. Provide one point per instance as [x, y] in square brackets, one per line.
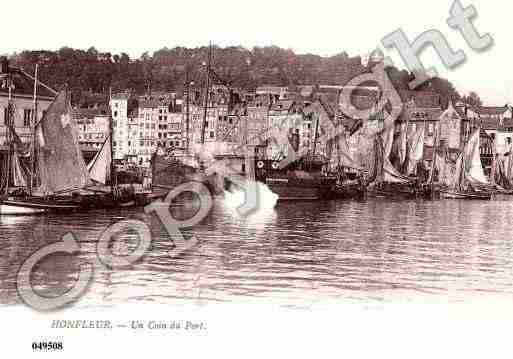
[27, 115]
[211, 134]
[115, 113]
[431, 129]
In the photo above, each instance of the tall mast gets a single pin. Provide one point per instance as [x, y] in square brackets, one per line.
[33, 131]
[113, 178]
[8, 133]
[433, 159]
[187, 113]
[207, 94]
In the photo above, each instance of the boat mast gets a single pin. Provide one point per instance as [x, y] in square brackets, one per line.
[207, 94]
[187, 113]
[33, 130]
[8, 136]
[113, 178]
[433, 159]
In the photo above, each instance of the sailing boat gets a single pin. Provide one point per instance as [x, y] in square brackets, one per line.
[60, 180]
[342, 164]
[387, 181]
[468, 180]
[501, 175]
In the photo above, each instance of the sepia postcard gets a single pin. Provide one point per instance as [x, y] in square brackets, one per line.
[237, 179]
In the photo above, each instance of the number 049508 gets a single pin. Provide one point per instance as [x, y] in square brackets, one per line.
[47, 346]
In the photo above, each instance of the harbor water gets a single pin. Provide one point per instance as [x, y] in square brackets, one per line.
[296, 254]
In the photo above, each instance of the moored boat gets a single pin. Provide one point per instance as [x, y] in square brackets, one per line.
[472, 195]
[465, 179]
[58, 179]
[302, 180]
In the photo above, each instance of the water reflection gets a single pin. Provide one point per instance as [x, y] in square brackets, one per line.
[294, 253]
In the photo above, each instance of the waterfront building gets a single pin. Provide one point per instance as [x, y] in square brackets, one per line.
[120, 106]
[21, 85]
[496, 121]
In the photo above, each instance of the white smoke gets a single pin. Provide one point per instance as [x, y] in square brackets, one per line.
[236, 197]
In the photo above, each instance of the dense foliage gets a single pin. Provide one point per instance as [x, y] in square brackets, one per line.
[90, 71]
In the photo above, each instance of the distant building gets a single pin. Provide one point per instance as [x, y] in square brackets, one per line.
[278, 92]
[119, 106]
[93, 127]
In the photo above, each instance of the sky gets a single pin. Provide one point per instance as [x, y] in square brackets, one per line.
[322, 27]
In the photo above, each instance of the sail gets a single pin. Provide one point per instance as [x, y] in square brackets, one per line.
[387, 171]
[23, 149]
[388, 140]
[344, 154]
[18, 174]
[61, 165]
[473, 168]
[99, 167]
[508, 166]
[446, 170]
[457, 178]
[416, 150]
[403, 140]
[361, 149]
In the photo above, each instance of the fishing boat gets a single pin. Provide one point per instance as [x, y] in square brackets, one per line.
[57, 178]
[466, 180]
[386, 181]
[301, 180]
[502, 174]
[169, 172]
[350, 174]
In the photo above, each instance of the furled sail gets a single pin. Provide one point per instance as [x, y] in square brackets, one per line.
[416, 150]
[473, 168]
[390, 173]
[99, 167]
[387, 172]
[344, 154]
[19, 176]
[362, 149]
[403, 141]
[446, 170]
[61, 165]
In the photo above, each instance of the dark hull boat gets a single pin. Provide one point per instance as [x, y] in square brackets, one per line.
[395, 190]
[471, 195]
[38, 205]
[299, 181]
[350, 189]
[170, 172]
